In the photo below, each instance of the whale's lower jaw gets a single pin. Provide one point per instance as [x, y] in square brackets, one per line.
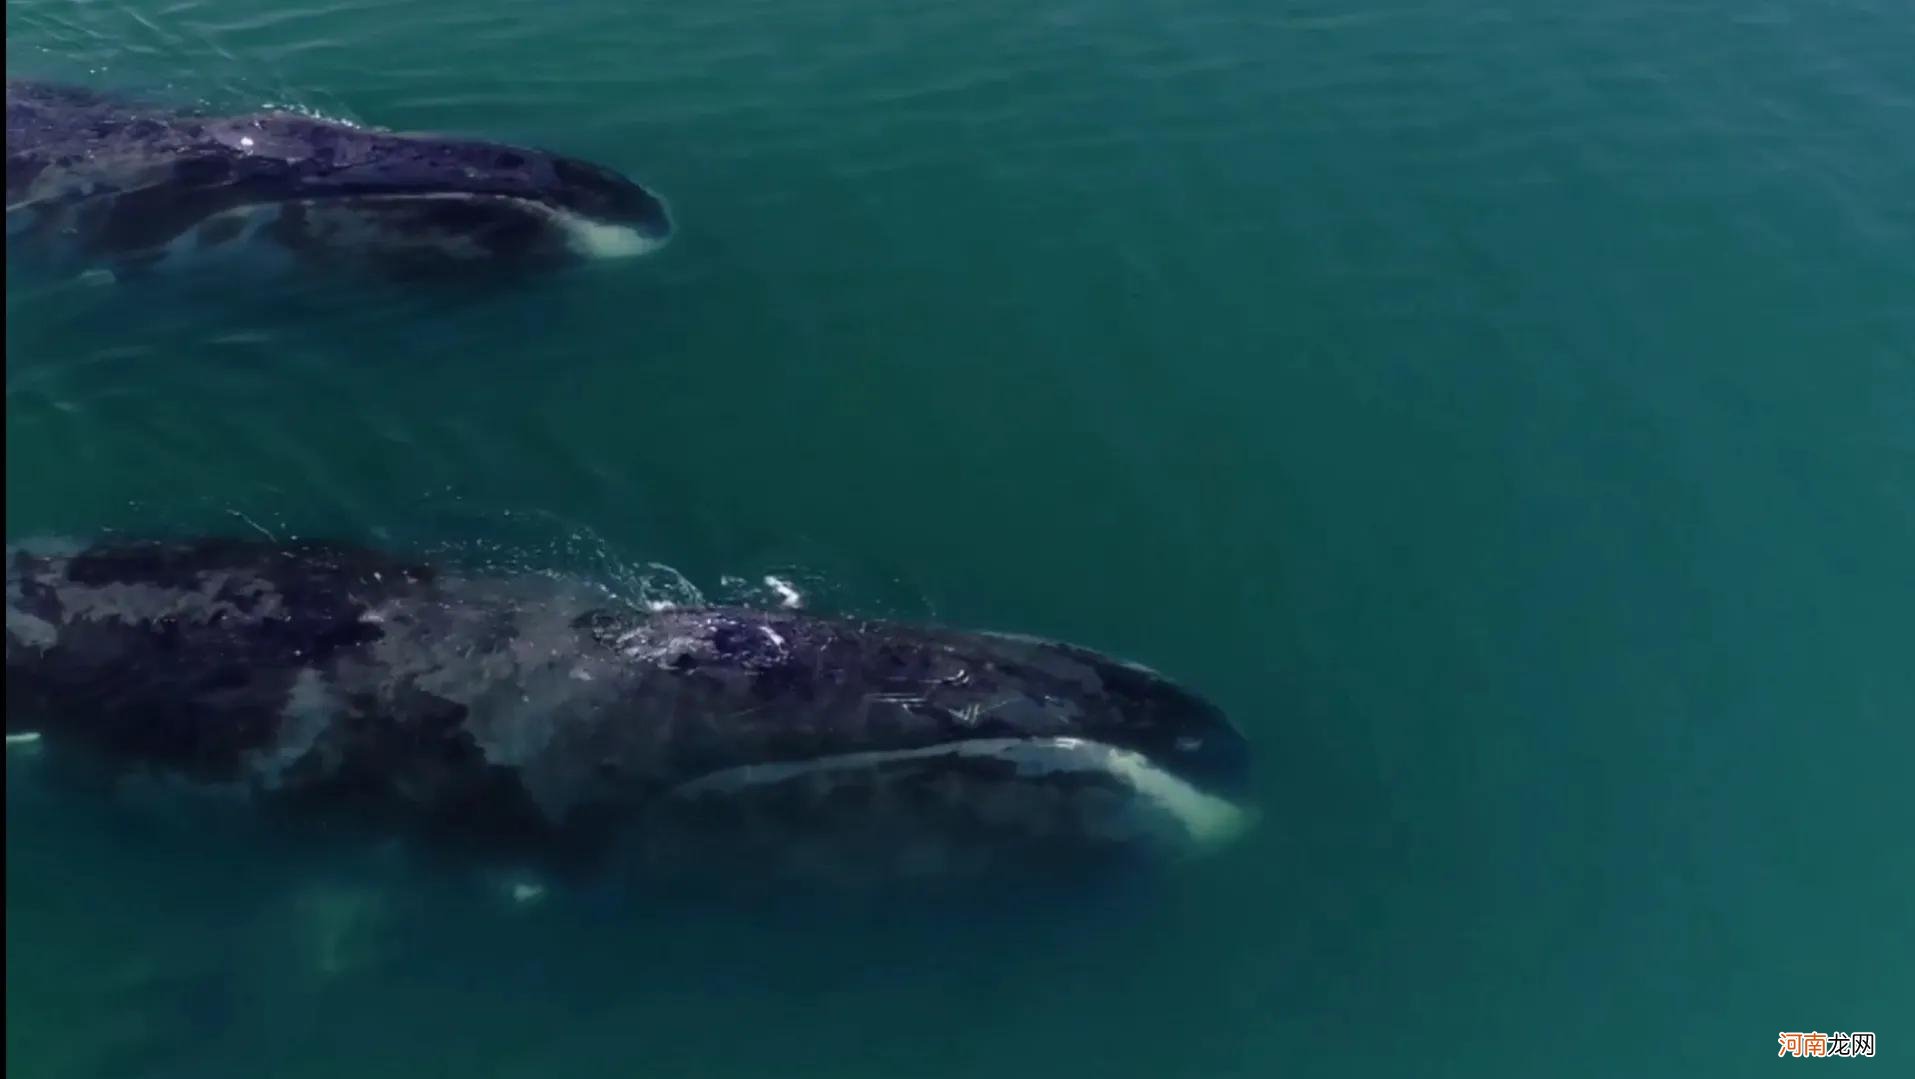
[448, 228]
[1055, 792]
[458, 227]
[581, 236]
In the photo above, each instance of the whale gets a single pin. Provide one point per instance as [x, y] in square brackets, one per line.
[533, 717]
[96, 182]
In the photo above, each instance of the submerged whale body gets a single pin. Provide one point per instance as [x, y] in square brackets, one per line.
[526, 715]
[94, 181]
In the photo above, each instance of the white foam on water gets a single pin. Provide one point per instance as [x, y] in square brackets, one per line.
[788, 596]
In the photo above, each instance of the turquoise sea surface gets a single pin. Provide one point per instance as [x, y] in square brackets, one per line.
[1505, 412]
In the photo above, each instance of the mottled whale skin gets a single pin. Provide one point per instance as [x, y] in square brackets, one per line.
[98, 182]
[530, 715]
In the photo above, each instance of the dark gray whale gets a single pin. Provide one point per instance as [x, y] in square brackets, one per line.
[95, 181]
[531, 715]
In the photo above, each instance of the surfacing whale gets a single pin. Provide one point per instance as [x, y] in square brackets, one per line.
[530, 715]
[96, 182]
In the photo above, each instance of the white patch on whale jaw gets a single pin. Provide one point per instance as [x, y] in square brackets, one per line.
[583, 236]
[598, 240]
[1202, 821]
[387, 225]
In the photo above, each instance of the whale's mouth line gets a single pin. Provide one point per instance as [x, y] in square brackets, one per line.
[584, 236]
[587, 236]
[1205, 819]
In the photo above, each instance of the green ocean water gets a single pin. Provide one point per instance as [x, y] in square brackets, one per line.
[1507, 413]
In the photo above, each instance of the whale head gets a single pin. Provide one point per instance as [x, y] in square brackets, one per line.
[877, 747]
[114, 184]
[325, 188]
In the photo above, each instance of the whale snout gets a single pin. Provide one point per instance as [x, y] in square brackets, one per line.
[1181, 756]
[606, 198]
[603, 215]
[1177, 729]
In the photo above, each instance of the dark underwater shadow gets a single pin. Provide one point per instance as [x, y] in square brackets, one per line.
[196, 940]
[66, 816]
[461, 323]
